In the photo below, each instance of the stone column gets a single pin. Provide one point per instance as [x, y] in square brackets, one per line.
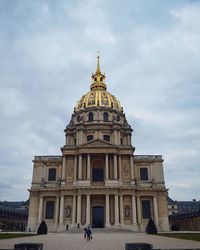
[120, 167]
[81, 137]
[63, 168]
[132, 168]
[88, 167]
[44, 171]
[121, 210]
[115, 166]
[40, 211]
[134, 216]
[119, 136]
[107, 211]
[138, 209]
[79, 209]
[115, 137]
[75, 168]
[80, 167]
[88, 210]
[107, 169]
[155, 209]
[116, 210]
[61, 209]
[74, 210]
[57, 210]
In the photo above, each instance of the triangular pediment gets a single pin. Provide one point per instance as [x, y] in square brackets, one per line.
[98, 143]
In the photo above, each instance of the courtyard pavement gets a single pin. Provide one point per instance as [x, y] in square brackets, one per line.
[100, 241]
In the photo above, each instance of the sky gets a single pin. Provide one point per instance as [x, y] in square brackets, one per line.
[150, 52]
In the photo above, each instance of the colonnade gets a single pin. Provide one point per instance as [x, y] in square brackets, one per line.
[117, 163]
[118, 210]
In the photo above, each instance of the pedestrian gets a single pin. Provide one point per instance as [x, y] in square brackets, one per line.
[78, 226]
[85, 232]
[89, 234]
[67, 226]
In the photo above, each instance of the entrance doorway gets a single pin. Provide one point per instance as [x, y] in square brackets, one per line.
[98, 217]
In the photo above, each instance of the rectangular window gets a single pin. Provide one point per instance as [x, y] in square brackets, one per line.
[106, 138]
[146, 209]
[52, 174]
[144, 174]
[89, 137]
[49, 210]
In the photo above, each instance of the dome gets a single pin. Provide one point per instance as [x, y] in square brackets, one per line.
[98, 96]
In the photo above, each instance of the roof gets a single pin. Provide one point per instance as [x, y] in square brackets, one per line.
[12, 209]
[187, 206]
[171, 202]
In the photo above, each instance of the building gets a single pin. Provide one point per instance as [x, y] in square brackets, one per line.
[184, 215]
[185, 221]
[172, 206]
[182, 206]
[98, 180]
[13, 218]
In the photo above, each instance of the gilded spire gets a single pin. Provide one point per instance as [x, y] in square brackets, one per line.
[98, 71]
[98, 79]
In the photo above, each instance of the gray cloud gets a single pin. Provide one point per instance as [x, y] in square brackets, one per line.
[150, 53]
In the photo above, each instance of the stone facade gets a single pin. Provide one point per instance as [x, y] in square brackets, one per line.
[98, 180]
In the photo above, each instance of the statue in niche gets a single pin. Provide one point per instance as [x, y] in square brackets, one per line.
[42, 182]
[127, 212]
[59, 182]
[68, 212]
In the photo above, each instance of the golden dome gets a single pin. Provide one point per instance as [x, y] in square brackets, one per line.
[98, 96]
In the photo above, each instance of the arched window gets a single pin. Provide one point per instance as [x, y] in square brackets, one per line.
[90, 117]
[106, 138]
[105, 117]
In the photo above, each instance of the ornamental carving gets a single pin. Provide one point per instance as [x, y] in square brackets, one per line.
[69, 164]
[104, 99]
[125, 169]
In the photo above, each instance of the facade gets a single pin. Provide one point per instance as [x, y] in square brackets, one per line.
[12, 218]
[186, 221]
[98, 180]
[172, 206]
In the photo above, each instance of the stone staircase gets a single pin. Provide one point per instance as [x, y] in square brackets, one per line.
[98, 230]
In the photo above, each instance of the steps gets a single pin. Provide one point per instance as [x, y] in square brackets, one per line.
[98, 230]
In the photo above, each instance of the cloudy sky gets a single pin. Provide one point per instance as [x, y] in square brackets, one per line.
[150, 52]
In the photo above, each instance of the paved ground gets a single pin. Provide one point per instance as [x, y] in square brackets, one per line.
[100, 241]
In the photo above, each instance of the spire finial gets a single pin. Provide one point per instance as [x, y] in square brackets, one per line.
[98, 71]
[98, 79]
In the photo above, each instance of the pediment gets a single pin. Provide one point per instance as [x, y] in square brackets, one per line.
[98, 143]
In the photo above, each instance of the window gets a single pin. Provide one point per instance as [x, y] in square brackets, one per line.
[49, 210]
[52, 174]
[121, 141]
[89, 137]
[97, 174]
[146, 209]
[106, 138]
[144, 174]
[118, 118]
[90, 117]
[105, 117]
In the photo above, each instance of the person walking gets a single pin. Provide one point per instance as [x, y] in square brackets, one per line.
[85, 232]
[89, 234]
